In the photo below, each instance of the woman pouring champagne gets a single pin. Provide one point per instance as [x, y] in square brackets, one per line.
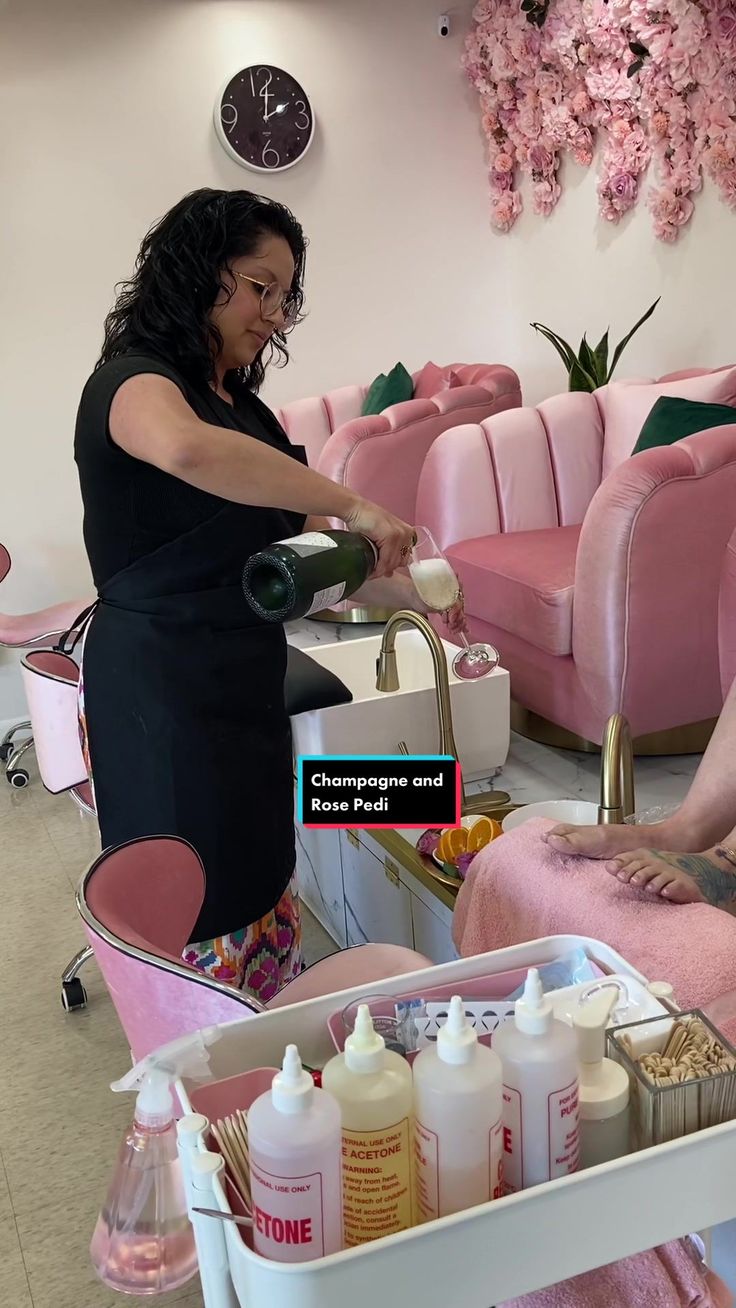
[185, 473]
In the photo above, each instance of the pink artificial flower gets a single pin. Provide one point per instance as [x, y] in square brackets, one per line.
[541, 160]
[505, 210]
[582, 147]
[549, 86]
[501, 181]
[719, 159]
[559, 124]
[706, 65]
[726, 26]
[503, 66]
[545, 196]
[623, 190]
[619, 129]
[608, 81]
[727, 186]
[503, 163]
[490, 124]
[584, 53]
[660, 124]
[670, 212]
[529, 118]
[635, 150]
[581, 104]
[483, 11]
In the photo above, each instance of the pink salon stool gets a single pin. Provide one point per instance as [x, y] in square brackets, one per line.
[27, 631]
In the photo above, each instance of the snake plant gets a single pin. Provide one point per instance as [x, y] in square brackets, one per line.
[589, 368]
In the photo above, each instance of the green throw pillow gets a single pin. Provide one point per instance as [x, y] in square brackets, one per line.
[385, 390]
[671, 419]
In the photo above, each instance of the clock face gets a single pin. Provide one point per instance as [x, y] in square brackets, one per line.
[264, 119]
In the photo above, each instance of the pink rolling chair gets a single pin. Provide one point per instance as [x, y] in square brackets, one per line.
[23, 631]
[50, 681]
[139, 902]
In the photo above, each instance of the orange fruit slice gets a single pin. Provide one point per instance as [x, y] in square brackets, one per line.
[453, 841]
[482, 833]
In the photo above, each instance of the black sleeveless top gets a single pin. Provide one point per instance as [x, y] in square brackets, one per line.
[130, 507]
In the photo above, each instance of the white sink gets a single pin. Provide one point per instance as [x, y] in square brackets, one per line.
[376, 721]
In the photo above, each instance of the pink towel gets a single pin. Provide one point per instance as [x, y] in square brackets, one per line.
[519, 889]
[669, 1277]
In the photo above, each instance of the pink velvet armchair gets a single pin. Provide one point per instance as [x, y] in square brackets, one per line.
[595, 574]
[381, 456]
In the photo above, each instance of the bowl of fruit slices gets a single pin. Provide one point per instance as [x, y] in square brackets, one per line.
[453, 849]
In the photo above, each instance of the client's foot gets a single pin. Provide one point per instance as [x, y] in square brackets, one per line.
[605, 841]
[708, 878]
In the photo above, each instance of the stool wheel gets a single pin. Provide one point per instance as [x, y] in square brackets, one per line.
[73, 995]
[18, 778]
[5, 752]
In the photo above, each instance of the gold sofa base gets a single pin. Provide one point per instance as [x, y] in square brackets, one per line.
[689, 739]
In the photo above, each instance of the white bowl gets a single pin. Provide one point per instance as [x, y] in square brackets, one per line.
[579, 811]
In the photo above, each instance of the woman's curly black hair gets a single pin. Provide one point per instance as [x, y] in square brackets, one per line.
[164, 308]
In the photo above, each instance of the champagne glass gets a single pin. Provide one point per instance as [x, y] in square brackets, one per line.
[436, 583]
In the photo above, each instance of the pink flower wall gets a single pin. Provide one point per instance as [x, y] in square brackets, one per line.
[648, 85]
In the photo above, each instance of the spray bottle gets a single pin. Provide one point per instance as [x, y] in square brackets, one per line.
[373, 1087]
[604, 1087]
[540, 1092]
[457, 1120]
[143, 1242]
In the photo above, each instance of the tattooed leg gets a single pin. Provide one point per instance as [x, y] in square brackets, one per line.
[708, 878]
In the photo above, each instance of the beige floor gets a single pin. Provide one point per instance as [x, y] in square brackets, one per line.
[59, 1122]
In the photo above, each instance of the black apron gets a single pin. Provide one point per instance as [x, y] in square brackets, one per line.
[184, 705]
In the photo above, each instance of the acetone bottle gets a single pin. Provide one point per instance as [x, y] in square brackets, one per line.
[373, 1087]
[294, 1144]
[457, 1120]
[541, 1134]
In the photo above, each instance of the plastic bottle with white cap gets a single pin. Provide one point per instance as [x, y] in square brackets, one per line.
[294, 1143]
[457, 1120]
[540, 1092]
[373, 1086]
[604, 1087]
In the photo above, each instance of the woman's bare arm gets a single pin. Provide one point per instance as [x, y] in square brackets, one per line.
[151, 420]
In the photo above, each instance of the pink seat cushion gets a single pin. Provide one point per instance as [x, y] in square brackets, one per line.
[522, 581]
[362, 965]
[628, 405]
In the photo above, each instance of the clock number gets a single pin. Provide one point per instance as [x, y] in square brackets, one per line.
[230, 122]
[301, 106]
[270, 158]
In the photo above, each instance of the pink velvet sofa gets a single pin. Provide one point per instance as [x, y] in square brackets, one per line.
[381, 456]
[595, 574]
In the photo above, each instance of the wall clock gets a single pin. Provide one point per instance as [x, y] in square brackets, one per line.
[263, 119]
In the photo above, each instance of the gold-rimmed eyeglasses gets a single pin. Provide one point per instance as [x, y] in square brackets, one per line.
[273, 299]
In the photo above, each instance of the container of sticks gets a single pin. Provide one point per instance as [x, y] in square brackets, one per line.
[682, 1073]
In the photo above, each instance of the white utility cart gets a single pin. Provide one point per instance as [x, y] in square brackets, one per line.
[485, 1255]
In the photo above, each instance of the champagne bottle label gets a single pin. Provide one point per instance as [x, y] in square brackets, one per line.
[311, 542]
[324, 599]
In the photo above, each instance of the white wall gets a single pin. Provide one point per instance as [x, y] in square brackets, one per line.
[106, 108]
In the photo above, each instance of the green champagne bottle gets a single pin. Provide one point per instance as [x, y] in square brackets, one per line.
[306, 574]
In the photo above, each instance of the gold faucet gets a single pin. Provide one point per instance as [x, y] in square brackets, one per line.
[387, 678]
[617, 772]
[387, 672]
